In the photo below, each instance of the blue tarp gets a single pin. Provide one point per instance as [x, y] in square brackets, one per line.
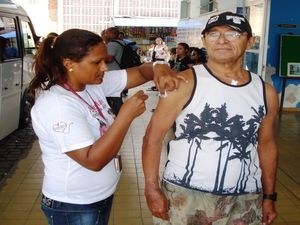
[11, 34]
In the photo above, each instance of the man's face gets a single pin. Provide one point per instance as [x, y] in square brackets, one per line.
[226, 45]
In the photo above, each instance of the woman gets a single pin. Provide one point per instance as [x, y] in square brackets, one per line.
[183, 61]
[172, 58]
[160, 51]
[198, 56]
[78, 134]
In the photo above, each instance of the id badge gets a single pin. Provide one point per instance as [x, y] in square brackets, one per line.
[118, 163]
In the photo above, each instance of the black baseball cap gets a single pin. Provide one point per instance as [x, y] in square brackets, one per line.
[236, 21]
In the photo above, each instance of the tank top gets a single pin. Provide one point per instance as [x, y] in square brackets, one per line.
[216, 136]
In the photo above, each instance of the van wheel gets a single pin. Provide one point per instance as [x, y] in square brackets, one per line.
[25, 118]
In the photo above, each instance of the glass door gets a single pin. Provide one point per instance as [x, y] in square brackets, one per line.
[253, 59]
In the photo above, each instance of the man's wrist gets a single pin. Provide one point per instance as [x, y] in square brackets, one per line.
[272, 197]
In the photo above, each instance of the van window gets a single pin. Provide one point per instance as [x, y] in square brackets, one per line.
[28, 38]
[8, 40]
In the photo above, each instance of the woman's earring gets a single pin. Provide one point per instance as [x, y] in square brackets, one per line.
[71, 70]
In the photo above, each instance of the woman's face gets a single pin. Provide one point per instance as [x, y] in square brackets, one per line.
[158, 41]
[194, 56]
[91, 68]
[181, 51]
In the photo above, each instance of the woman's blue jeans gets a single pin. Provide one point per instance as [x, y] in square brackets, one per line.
[61, 213]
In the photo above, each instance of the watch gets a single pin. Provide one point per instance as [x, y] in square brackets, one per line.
[272, 197]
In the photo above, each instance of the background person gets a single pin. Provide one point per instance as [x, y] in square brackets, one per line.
[127, 41]
[221, 166]
[79, 135]
[198, 56]
[183, 61]
[103, 36]
[172, 58]
[159, 52]
[115, 51]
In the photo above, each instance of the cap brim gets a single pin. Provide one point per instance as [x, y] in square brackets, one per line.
[215, 25]
[235, 28]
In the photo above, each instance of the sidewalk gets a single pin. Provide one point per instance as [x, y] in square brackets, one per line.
[13, 148]
[20, 196]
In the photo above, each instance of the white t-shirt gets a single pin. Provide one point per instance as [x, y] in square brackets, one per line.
[63, 122]
[161, 52]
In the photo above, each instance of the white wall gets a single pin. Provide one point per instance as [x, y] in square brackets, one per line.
[189, 30]
[39, 14]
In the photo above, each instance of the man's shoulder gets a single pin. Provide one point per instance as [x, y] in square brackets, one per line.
[117, 42]
[115, 48]
[186, 85]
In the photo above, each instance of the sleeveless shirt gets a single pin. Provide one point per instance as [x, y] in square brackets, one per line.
[216, 137]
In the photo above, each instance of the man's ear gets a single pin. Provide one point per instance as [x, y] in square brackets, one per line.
[251, 42]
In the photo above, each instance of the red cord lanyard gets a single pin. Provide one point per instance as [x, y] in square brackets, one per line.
[102, 126]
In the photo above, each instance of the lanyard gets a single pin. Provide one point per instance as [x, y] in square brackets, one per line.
[69, 88]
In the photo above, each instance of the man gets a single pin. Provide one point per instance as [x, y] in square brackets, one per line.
[114, 49]
[126, 41]
[221, 166]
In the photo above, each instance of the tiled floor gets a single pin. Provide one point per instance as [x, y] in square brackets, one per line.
[20, 197]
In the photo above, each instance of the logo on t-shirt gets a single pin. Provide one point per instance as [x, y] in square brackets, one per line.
[62, 127]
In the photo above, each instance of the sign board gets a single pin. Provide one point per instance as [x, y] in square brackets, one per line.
[289, 65]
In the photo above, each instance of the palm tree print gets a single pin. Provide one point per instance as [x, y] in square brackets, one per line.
[235, 136]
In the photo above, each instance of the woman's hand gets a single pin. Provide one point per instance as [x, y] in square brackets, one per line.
[135, 105]
[165, 78]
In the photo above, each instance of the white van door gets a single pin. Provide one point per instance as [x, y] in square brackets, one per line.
[29, 51]
[10, 75]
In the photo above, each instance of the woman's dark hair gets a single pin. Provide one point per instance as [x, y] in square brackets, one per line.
[201, 54]
[73, 44]
[52, 34]
[173, 51]
[184, 45]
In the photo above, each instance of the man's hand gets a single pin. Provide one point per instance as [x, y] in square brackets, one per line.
[165, 79]
[157, 202]
[269, 212]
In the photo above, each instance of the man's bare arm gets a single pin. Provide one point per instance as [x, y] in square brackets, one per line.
[268, 153]
[162, 120]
